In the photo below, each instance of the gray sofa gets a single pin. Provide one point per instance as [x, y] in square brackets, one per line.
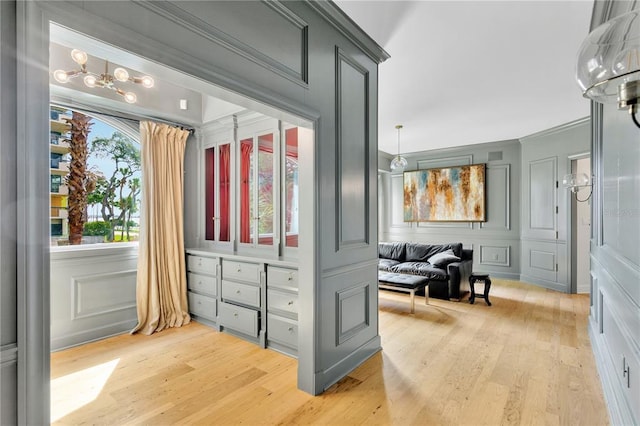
[448, 272]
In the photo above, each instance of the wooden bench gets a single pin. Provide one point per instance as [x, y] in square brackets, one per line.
[406, 283]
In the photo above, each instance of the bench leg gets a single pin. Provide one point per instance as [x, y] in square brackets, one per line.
[426, 295]
[413, 301]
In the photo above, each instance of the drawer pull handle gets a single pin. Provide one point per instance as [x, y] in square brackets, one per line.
[235, 314]
[290, 329]
[237, 291]
[290, 302]
[290, 277]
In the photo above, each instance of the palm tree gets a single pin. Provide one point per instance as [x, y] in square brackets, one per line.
[79, 180]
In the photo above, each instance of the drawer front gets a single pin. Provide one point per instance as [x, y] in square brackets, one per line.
[202, 283]
[282, 330]
[249, 272]
[282, 277]
[242, 293]
[205, 265]
[241, 319]
[202, 306]
[282, 301]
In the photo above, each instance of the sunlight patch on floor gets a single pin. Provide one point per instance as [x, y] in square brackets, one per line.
[75, 390]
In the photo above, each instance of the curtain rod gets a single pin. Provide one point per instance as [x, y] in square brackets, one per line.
[124, 116]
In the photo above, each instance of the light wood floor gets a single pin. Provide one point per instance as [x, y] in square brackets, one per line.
[525, 360]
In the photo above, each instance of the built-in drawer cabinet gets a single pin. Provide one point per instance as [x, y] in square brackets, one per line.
[205, 265]
[241, 271]
[282, 309]
[246, 294]
[283, 330]
[202, 284]
[202, 306]
[240, 319]
[282, 302]
[282, 278]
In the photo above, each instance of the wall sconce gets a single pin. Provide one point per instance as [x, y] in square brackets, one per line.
[577, 181]
[608, 67]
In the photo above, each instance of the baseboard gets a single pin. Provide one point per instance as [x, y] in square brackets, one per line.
[619, 412]
[327, 378]
[91, 335]
[543, 283]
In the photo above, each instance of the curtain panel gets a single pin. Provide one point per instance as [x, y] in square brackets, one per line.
[161, 290]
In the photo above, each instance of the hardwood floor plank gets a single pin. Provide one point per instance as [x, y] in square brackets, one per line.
[525, 360]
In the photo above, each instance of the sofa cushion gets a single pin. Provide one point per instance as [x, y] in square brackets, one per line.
[386, 264]
[395, 251]
[419, 252]
[442, 259]
[421, 268]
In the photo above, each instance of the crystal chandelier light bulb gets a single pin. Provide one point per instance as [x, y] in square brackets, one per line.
[121, 74]
[61, 76]
[79, 56]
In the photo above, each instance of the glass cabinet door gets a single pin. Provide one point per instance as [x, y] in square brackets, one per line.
[217, 193]
[290, 193]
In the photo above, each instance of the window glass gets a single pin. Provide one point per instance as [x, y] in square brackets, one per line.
[246, 191]
[291, 188]
[95, 181]
[264, 189]
[224, 180]
[210, 196]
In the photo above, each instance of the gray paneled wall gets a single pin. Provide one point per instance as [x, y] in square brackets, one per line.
[93, 293]
[615, 255]
[238, 46]
[496, 242]
[546, 214]
[8, 255]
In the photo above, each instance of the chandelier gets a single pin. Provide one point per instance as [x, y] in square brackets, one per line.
[105, 80]
[399, 163]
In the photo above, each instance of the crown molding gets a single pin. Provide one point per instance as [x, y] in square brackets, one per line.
[557, 129]
[348, 28]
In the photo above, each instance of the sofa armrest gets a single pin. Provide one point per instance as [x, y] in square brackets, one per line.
[459, 273]
[467, 254]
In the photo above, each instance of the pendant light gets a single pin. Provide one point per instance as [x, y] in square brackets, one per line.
[399, 163]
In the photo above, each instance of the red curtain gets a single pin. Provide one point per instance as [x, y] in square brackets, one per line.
[225, 161]
[246, 149]
[209, 171]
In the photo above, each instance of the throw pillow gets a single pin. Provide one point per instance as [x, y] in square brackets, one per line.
[442, 259]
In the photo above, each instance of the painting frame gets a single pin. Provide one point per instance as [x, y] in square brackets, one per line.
[445, 194]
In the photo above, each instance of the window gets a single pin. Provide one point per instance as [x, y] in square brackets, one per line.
[109, 208]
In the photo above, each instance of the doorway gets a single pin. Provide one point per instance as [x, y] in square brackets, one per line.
[581, 228]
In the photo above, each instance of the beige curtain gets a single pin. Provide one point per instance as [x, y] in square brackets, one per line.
[161, 289]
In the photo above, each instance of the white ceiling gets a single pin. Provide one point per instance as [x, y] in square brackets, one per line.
[471, 72]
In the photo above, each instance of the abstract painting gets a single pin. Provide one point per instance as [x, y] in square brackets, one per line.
[451, 194]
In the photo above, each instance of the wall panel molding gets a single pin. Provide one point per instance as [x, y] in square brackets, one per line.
[185, 18]
[352, 153]
[542, 194]
[495, 255]
[457, 160]
[352, 312]
[99, 294]
[498, 181]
